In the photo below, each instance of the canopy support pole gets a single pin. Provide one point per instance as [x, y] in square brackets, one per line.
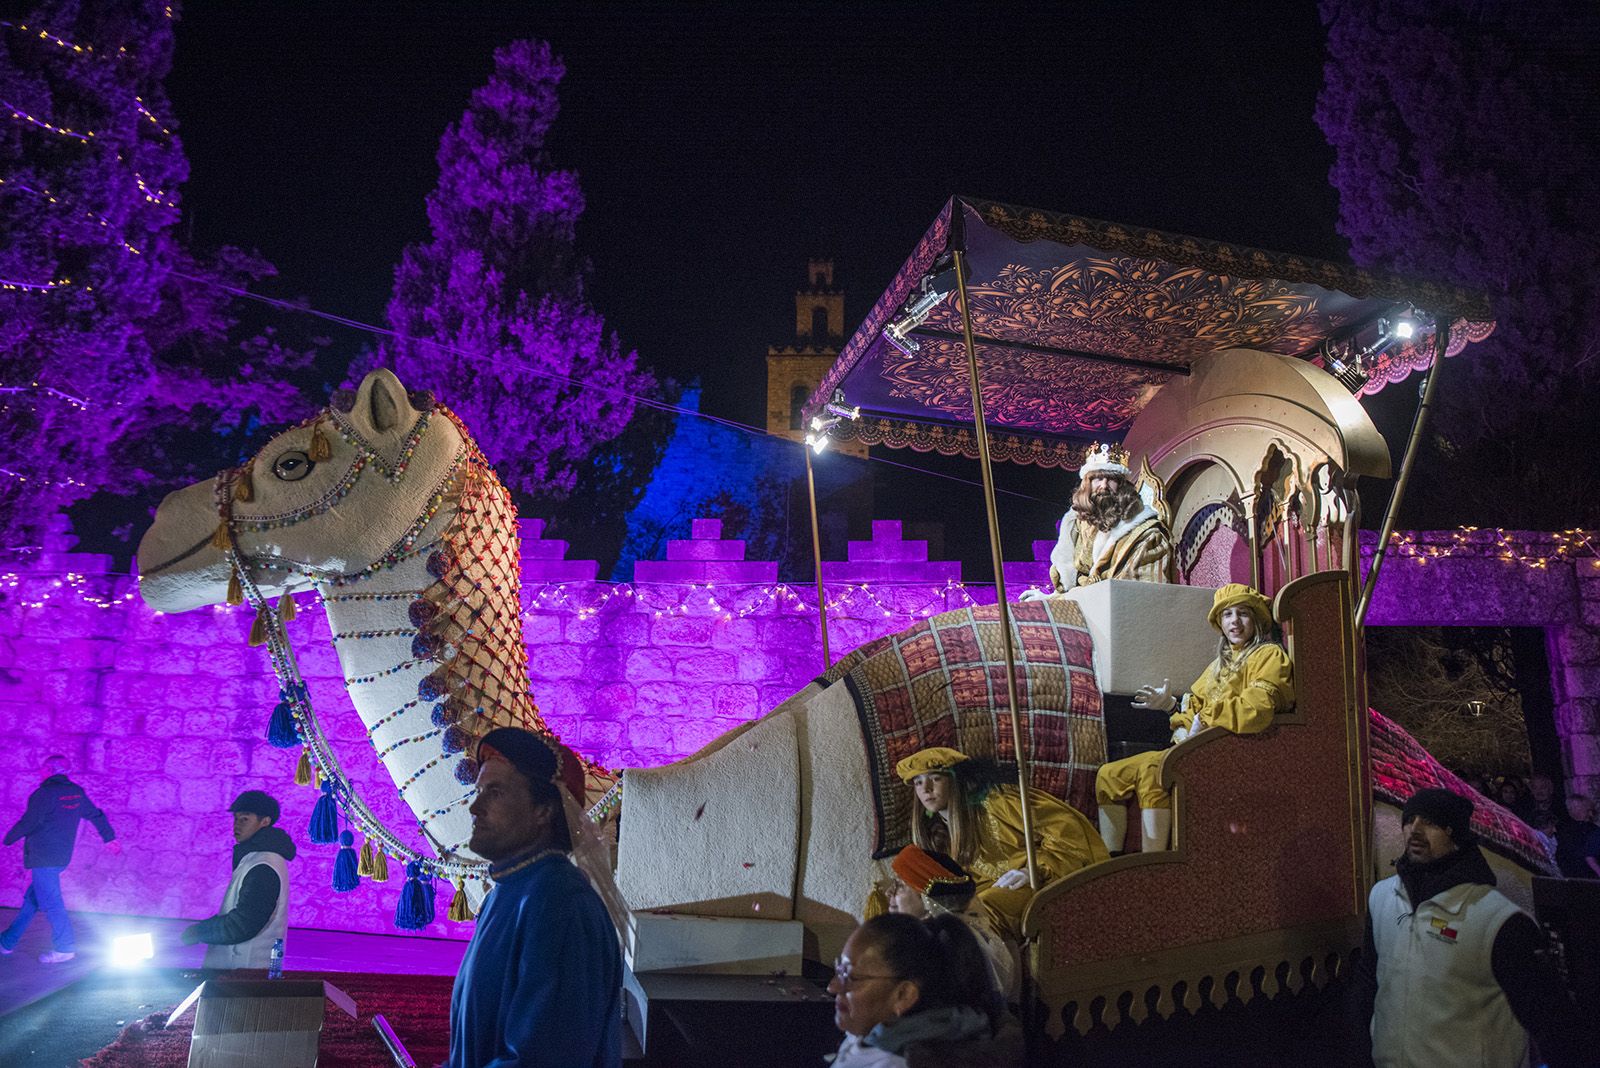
[999, 569]
[1441, 340]
[816, 560]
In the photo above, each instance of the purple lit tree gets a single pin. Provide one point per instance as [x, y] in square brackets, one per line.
[1465, 151]
[492, 309]
[118, 358]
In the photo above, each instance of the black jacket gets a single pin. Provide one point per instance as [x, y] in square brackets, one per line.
[49, 826]
[257, 897]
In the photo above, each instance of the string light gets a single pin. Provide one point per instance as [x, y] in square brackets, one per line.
[1501, 544]
[33, 287]
[51, 197]
[63, 131]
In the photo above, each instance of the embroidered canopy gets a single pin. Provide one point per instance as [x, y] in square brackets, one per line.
[1079, 322]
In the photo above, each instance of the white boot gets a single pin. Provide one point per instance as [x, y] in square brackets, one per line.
[1114, 825]
[1155, 824]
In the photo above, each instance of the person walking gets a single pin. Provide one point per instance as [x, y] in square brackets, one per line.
[49, 830]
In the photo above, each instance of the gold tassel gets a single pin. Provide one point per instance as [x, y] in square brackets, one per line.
[287, 609]
[235, 591]
[364, 864]
[261, 627]
[460, 911]
[877, 904]
[320, 450]
[302, 770]
[380, 866]
[220, 538]
[244, 489]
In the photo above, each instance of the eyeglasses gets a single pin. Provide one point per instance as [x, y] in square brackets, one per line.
[846, 977]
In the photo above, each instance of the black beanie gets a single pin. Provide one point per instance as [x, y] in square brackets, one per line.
[526, 752]
[1442, 808]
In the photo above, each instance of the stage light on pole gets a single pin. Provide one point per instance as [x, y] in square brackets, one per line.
[818, 442]
[1405, 328]
[128, 951]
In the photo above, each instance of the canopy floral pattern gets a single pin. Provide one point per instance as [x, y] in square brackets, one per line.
[1079, 322]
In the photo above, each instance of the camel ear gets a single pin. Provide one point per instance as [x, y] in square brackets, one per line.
[381, 403]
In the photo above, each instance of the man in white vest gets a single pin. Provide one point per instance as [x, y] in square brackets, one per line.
[255, 907]
[1451, 973]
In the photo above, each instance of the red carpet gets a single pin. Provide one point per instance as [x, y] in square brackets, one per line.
[416, 1006]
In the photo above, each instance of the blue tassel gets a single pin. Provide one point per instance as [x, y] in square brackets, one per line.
[415, 910]
[325, 816]
[281, 731]
[344, 865]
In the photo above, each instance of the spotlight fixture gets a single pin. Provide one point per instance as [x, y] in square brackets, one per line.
[818, 442]
[1405, 328]
[930, 292]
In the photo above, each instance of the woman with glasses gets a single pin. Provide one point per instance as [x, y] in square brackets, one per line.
[909, 992]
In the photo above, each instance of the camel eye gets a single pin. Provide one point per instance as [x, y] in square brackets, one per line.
[292, 466]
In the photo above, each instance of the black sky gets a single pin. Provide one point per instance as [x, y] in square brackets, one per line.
[720, 145]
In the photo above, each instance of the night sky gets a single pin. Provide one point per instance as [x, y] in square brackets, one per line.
[721, 145]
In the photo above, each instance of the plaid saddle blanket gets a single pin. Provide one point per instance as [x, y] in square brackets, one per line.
[943, 682]
[1401, 767]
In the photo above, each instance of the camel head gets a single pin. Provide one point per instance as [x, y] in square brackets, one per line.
[330, 496]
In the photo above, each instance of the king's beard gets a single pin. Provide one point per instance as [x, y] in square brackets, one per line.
[1112, 507]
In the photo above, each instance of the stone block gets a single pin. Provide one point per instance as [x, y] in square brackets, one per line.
[682, 630]
[1581, 680]
[706, 667]
[542, 550]
[530, 529]
[649, 665]
[141, 756]
[540, 628]
[617, 701]
[649, 734]
[1582, 754]
[1578, 645]
[556, 661]
[662, 698]
[537, 571]
[705, 529]
[153, 795]
[736, 701]
[695, 549]
[1577, 715]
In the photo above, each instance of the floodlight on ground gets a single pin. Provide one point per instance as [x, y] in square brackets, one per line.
[129, 951]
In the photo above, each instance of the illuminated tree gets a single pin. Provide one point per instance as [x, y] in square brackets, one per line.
[1465, 151]
[492, 309]
[118, 359]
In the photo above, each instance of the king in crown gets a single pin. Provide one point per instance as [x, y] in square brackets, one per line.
[1110, 531]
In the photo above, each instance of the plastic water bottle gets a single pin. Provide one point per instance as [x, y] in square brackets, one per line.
[275, 964]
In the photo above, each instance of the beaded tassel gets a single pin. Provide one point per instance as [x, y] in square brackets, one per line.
[302, 769]
[320, 450]
[380, 866]
[345, 867]
[261, 627]
[287, 609]
[244, 488]
[219, 537]
[235, 590]
[460, 910]
[364, 866]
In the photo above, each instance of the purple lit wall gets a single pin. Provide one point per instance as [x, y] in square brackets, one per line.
[165, 717]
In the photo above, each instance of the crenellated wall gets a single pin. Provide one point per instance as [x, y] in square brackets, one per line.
[164, 717]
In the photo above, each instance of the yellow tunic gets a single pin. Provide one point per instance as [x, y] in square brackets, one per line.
[1243, 702]
[1064, 841]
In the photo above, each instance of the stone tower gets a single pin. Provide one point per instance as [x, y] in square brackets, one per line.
[795, 369]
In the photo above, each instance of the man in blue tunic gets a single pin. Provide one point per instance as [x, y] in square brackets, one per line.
[541, 982]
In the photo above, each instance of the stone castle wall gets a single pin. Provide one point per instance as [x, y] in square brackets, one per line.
[164, 716]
